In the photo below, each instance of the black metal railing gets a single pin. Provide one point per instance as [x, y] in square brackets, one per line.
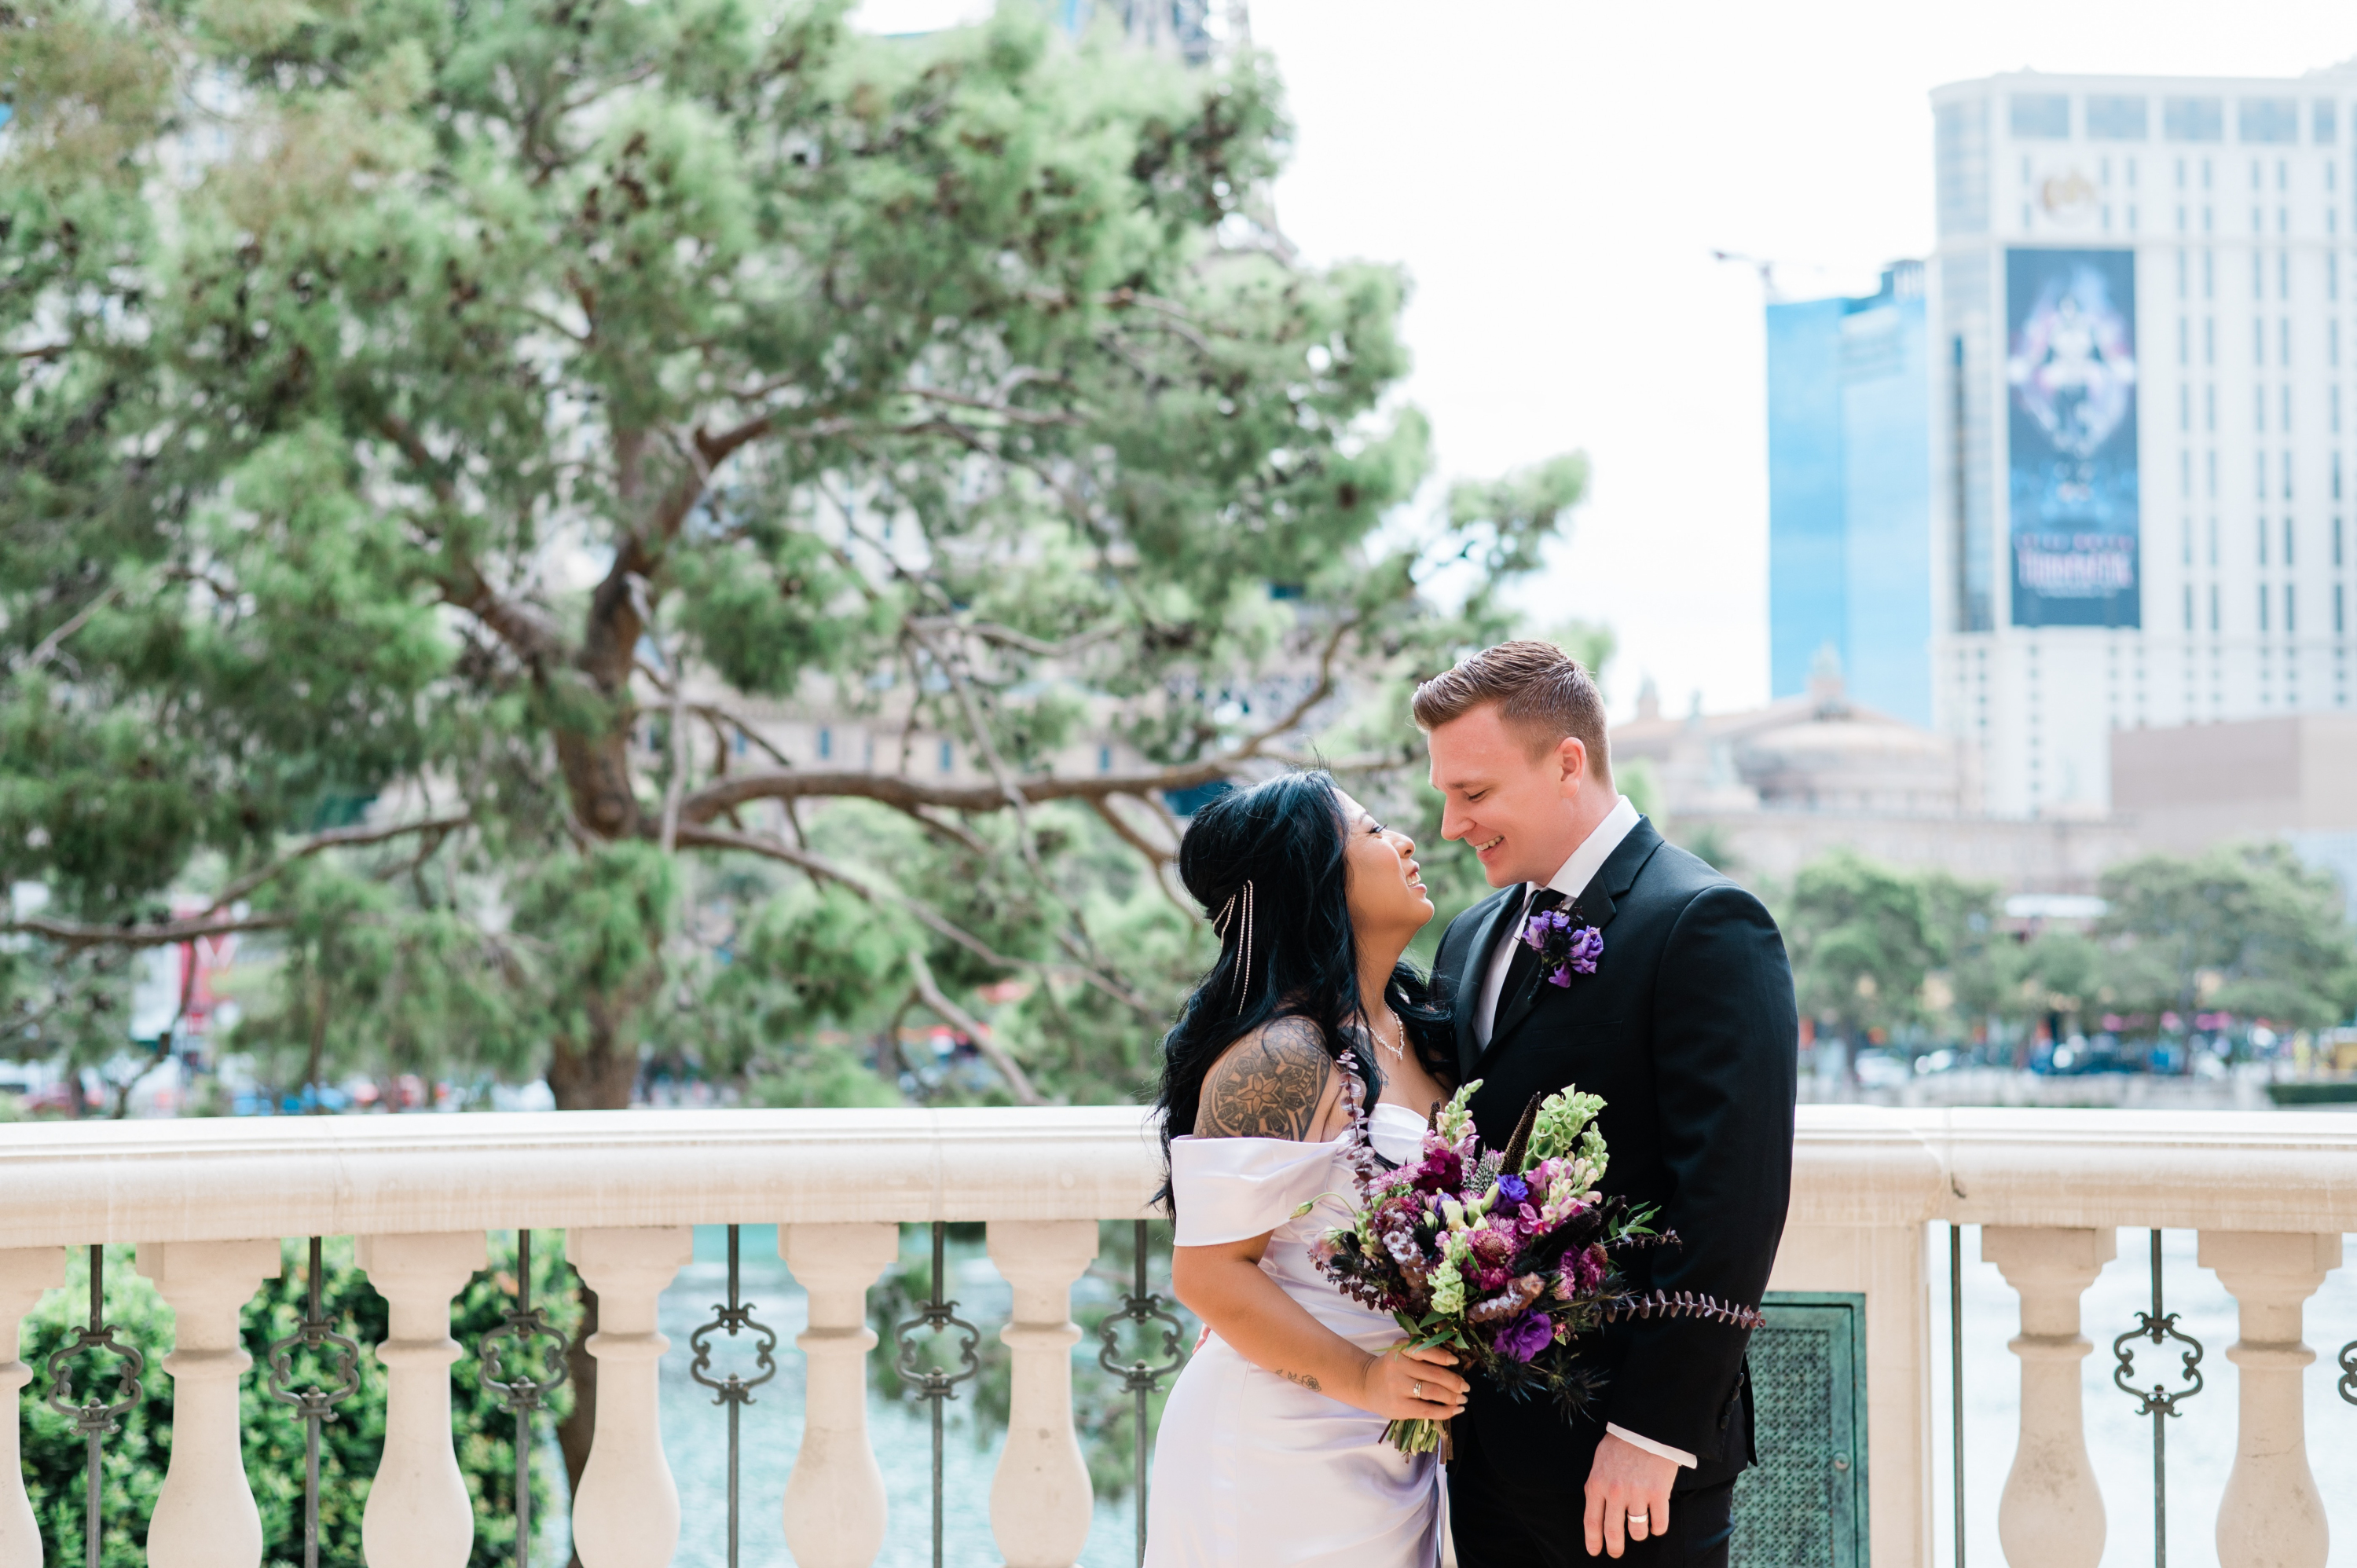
[316, 1370]
[1141, 1379]
[926, 1378]
[520, 1393]
[2157, 1401]
[734, 1318]
[95, 1418]
[338, 1357]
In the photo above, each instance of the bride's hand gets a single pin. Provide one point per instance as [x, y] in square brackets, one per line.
[1410, 1382]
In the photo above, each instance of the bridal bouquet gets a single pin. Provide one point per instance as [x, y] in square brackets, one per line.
[1504, 1256]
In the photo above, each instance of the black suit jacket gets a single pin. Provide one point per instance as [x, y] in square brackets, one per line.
[1687, 1029]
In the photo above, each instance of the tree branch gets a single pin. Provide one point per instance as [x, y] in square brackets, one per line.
[1018, 1081]
[47, 649]
[334, 838]
[167, 933]
[694, 836]
[900, 790]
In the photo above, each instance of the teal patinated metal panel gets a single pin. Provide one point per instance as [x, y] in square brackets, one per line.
[1803, 1505]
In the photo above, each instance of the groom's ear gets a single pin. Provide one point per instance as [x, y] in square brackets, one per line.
[1571, 755]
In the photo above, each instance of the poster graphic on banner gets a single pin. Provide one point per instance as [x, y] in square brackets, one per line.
[2070, 367]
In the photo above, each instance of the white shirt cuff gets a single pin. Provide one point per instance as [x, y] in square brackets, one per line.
[1660, 1450]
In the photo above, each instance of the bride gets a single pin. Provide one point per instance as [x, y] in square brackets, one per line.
[1272, 1447]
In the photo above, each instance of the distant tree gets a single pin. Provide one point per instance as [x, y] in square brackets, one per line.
[1976, 953]
[1863, 937]
[2244, 929]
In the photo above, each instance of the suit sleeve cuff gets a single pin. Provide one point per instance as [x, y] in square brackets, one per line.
[1660, 1450]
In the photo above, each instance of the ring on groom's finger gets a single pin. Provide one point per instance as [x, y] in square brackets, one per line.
[1640, 1521]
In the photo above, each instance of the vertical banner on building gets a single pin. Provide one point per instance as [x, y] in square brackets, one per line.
[2070, 367]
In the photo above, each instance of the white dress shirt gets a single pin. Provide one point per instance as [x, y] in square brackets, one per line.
[1571, 882]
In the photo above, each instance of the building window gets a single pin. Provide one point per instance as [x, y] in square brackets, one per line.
[2258, 332]
[2287, 462]
[2112, 117]
[737, 745]
[2263, 606]
[2324, 123]
[825, 744]
[2188, 607]
[2283, 341]
[949, 758]
[2291, 609]
[2185, 422]
[2267, 120]
[2259, 423]
[2287, 543]
[1104, 759]
[2213, 607]
[2336, 538]
[2332, 342]
[2193, 120]
[2263, 542]
[2208, 329]
[2041, 116]
[2339, 623]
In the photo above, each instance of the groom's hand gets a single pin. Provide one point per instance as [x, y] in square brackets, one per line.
[1625, 1480]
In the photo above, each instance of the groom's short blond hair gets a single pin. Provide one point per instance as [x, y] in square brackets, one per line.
[1540, 690]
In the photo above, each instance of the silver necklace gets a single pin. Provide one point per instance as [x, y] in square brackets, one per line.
[1399, 1030]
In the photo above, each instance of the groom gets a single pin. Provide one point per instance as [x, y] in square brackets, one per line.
[1687, 1029]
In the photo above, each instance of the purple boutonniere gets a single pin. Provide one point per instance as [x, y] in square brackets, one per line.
[1564, 947]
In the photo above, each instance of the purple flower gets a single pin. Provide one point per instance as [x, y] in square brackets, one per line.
[1566, 950]
[1526, 1336]
[1512, 1188]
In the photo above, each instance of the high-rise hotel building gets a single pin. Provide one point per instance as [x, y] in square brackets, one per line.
[2142, 411]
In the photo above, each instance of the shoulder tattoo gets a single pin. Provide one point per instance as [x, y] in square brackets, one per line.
[1268, 1085]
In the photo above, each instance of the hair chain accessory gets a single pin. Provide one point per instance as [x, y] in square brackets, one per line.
[1222, 923]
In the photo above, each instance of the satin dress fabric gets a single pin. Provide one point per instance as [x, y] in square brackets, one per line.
[1249, 1468]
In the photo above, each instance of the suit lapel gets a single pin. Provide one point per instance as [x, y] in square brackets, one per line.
[1596, 906]
[1467, 997]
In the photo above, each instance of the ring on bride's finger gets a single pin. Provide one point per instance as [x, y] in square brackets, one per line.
[1417, 1391]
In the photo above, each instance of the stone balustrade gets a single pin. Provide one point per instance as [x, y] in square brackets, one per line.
[207, 1201]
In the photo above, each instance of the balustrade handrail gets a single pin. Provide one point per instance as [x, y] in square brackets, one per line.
[71, 1184]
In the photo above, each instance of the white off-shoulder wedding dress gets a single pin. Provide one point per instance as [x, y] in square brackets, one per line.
[1249, 1468]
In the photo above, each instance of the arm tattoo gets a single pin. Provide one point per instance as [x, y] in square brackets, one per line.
[1304, 1379]
[1268, 1085]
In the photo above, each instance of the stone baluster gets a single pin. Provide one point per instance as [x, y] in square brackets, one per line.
[2272, 1516]
[834, 1499]
[627, 1515]
[2051, 1515]
[1039, 1500]
[24, 1273]
[418, 1513]
[205, 1516]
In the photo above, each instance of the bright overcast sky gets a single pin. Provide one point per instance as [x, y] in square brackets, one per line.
[1554, 177]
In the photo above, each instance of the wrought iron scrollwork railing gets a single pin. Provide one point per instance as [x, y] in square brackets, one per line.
[929, 1381]
[95, 1418]
[736, 1317]
[316, 1405]
[523, 1393]
[2348, 1389]
[2158, 1401]
[1141, 1379]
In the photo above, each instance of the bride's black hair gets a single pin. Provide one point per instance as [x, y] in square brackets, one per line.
[1268, 864]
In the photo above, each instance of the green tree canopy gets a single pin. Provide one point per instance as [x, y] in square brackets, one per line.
[1864, 937]
[429, 427]
[2244, 929]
